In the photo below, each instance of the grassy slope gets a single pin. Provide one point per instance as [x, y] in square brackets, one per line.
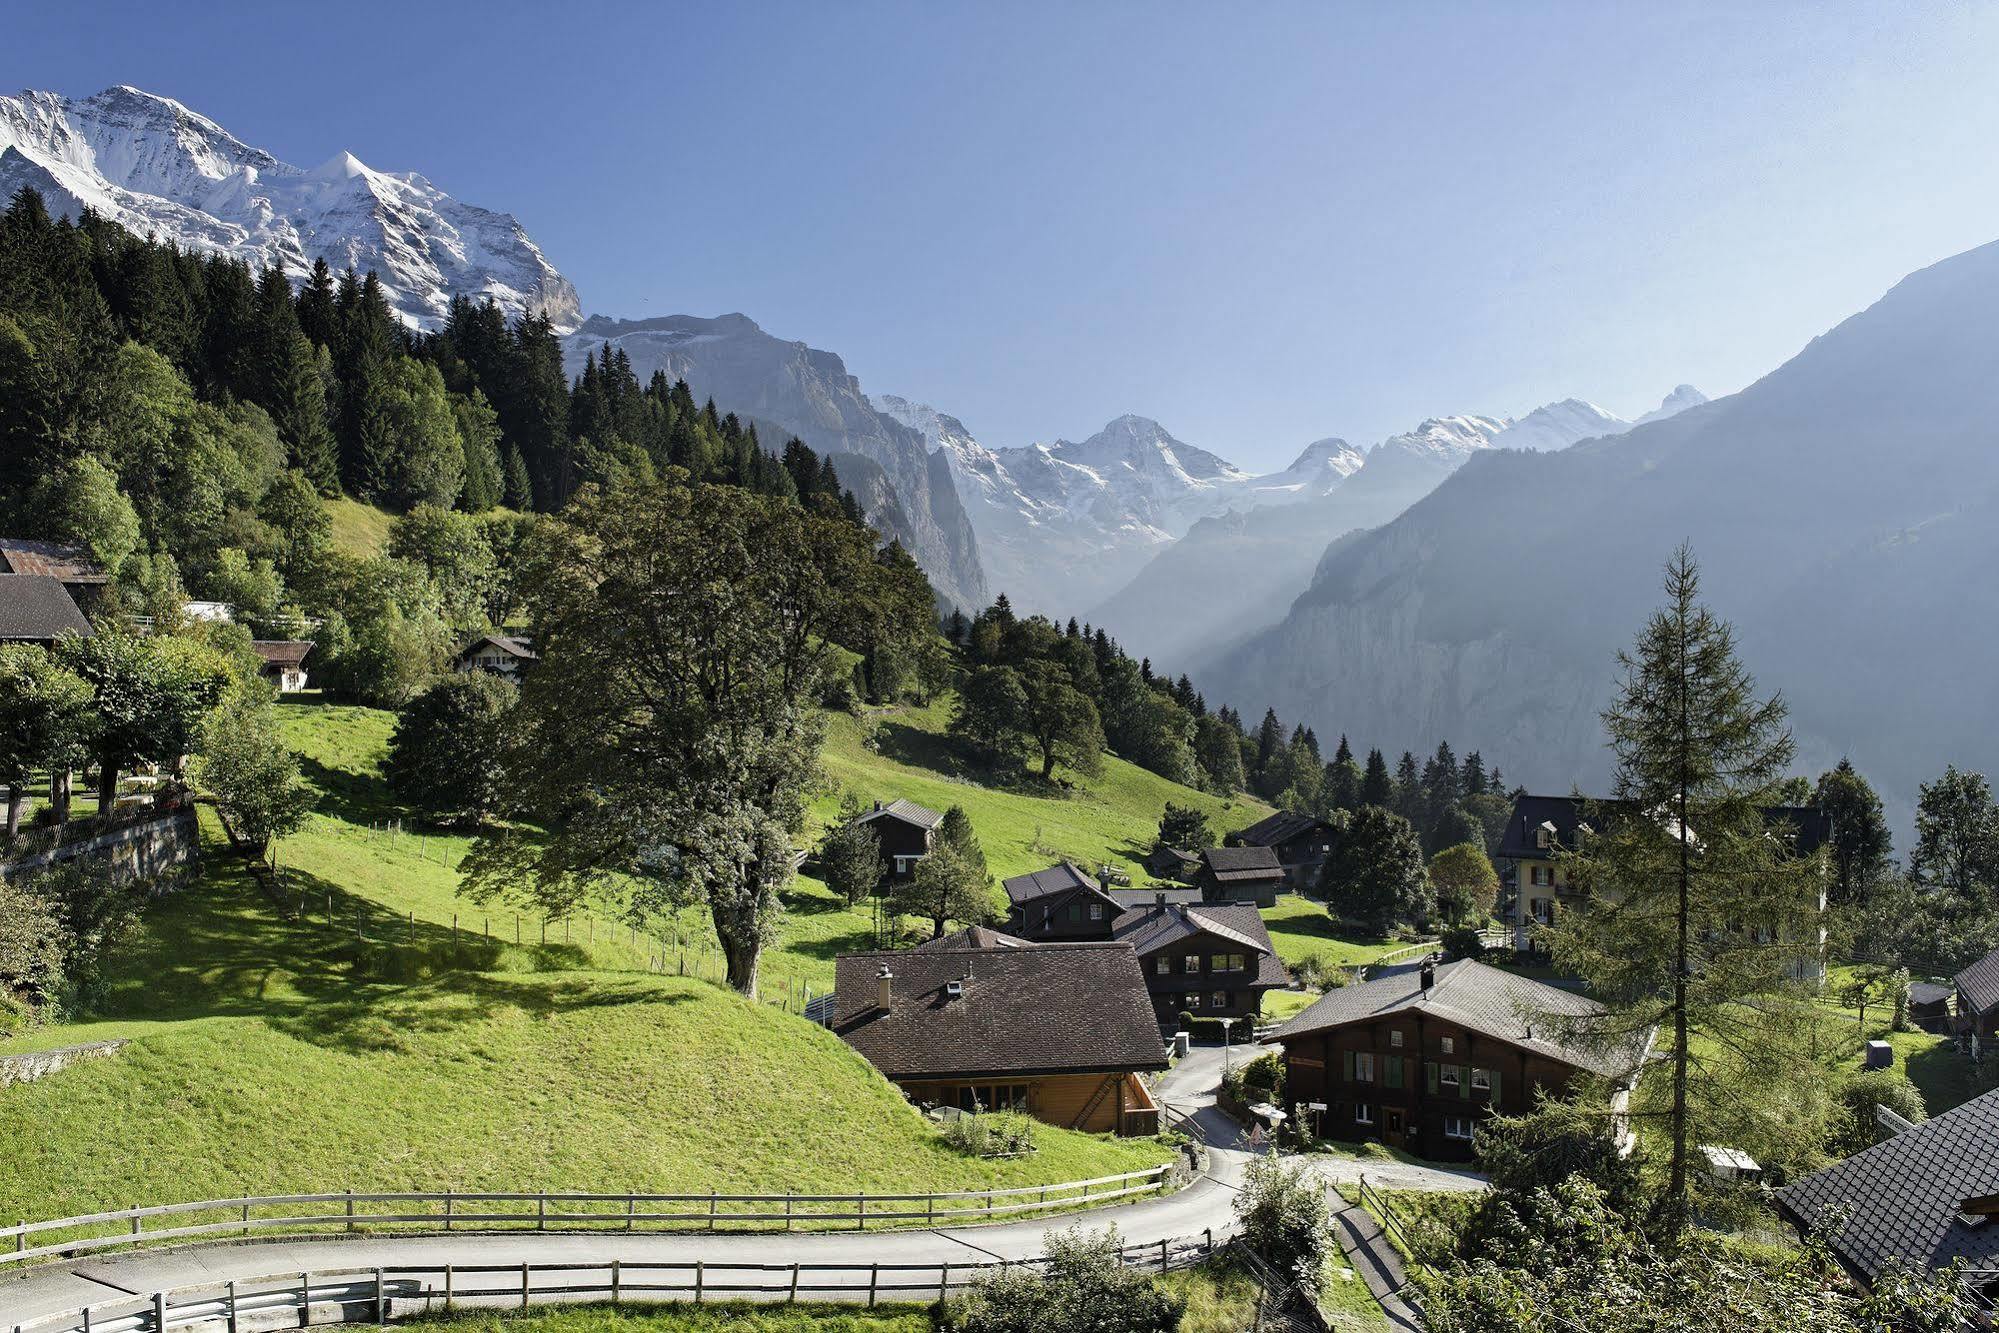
[738, 1318]
[358, 528]
[273, 1055]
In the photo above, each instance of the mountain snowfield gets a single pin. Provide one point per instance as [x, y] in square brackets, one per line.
[153, 166]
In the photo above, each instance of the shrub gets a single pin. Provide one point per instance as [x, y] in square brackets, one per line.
[445, 756]
[1258, 1080]
[990, 1134]
[1860, 1094]
[1285, 1218]
[1463, 942]
[33, 944]
[1085, 1288]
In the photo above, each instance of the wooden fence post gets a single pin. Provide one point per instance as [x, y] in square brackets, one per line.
[943, 1281]
[541, 1212]
[305, 1300]
[711, 1210]
[524, 1286]
[698, 1276]
[861, 1212]
[232, 1305]
[617, 1278]
[874, 1277]
[447, 1210]
[792, 1299]
[448, 1286]
[134, 1210]
[787, 1207]
[381, 1300]
[1162, 1254]
[159, 1312]
[350, 1210]
[631, 1207]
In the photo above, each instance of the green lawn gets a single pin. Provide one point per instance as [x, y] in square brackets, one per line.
[1300, 926]
[383, 1050]
[1024, 826]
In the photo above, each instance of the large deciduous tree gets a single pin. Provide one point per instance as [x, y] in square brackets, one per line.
[253, 775]
[150, 698]
[446, 754]
[1860, 838]
[667, 740]
[946, 886]
[1692, 909]
[1375, 875]
[1957, 835]
[45, 720]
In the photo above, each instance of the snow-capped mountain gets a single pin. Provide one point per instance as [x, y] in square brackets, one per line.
[153, 166]
[1676, 402]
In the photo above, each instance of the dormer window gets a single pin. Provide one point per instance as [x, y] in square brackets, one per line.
[1544, 836]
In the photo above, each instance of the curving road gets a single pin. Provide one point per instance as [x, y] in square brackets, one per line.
[1206, 1204]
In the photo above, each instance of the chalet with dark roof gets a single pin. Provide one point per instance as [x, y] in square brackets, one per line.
[37, 608]
[1158, 895]
[906, 832]
[284, 662]
[1059, 903]
[1211, 960]
[1930, 1006]
[1927, 1196]
[71, 566]
[1240, 875]
[1537, 888]
[508, 656]
[973, 937]
[1977, 990]
[1164, 862]
[1302, 843]
[1060, 1031]
[1418, 1057]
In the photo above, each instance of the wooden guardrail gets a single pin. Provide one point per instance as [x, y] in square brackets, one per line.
[453, 1211]
[350, 1295]
[1372, 1199]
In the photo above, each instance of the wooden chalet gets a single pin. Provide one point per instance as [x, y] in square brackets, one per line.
[1210, 960]
[1240, 875]
[71, 566]
[1977, 993]
[1418, 1057]
[1059, 903]
[284, 662]
[508, 656]
[906, 831]
[1302, 842]
[1061, 1031]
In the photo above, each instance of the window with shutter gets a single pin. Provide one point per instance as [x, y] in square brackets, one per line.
[1391, 1072]
[1349, 1065]
[1464, 1081]
[1432, 1076]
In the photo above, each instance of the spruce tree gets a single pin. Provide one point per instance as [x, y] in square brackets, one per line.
[1695, 919]
[1376, 787]
[517, 489]
[1860, 838]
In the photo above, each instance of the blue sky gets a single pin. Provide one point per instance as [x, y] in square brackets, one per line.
[1260, 224]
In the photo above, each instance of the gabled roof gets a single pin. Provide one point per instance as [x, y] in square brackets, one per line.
[1902, 1197]
[1514, 1009]
[71, 564]
[1031, 1009]
[1810, 826]
[909, 812]
[1151, 928]
[1979, 983]
[36, 608]
[513, 645]
[1929, 992]
[1057, 880]
[1236, 865]
[1279, 828]
[1183, 895]
[282, 652]
[972, 937]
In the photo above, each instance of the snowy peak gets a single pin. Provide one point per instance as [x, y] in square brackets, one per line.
[1559, 425]
[1679, 400]
[1143, 446]
[154, 166]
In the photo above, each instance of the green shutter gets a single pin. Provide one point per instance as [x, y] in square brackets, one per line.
[1349, 1059]
[1493, 1097]
[1392, 1072]
[1432, 1068]
[1464, 1081]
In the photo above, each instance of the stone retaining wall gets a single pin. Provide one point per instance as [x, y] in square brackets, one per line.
[40, 1064]
[145, 850]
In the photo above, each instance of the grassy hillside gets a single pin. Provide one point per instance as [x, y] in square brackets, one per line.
[1111, 817]
[358, 528]
[373, 1048]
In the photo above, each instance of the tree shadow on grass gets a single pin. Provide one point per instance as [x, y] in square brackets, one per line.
[358, 798]
[947, 755]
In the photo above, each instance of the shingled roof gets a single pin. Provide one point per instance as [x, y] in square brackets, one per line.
[1276, 829]
[36, 608]
[1063, 878]
[71, 564]
[1237, 865]
[513, 645]
[1517, 1010]
[1905, 1198]
[909, 812]
[282, 652]
[1037, 1009]
[1152, 928]
[972, 937]
[1810, 826]
[1979, 983]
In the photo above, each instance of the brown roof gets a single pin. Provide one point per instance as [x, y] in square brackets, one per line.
[909, 812]
[1236, 865]
[1513, 1009]
[282, 652]
[973, 937]
[36, 608]
[71, 564]
[1150, 929]
[513, 645]
[1037, 1009]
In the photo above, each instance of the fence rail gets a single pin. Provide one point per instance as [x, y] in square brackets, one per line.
[1372, 1199]
[452, 1210]
[347, 1295]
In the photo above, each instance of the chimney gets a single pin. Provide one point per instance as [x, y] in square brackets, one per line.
[1159, 900]
[878, 806]
[1429, 977]
[884, 987]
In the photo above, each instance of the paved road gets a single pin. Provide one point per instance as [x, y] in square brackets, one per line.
[1188, 1090]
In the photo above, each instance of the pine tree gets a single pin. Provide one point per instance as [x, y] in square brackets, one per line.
[1860, 838]
[517, 489]
[1408, 788]
[1693, 915]
[1377, 788]
[1343, 779]
[317, 317]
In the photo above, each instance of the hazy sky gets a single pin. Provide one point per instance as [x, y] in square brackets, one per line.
[1260, 224]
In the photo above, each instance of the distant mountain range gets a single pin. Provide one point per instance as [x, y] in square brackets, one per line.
[1845, 511]
[153, 166]
[791, 389]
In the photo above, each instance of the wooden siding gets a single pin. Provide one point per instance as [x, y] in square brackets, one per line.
[1059, 1099]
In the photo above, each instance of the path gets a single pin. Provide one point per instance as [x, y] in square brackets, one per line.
[1375, 1260]
[1188, 1089]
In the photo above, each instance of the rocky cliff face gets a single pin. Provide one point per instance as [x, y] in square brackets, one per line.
[155, 167]
[808, 393]
[1842, 509]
